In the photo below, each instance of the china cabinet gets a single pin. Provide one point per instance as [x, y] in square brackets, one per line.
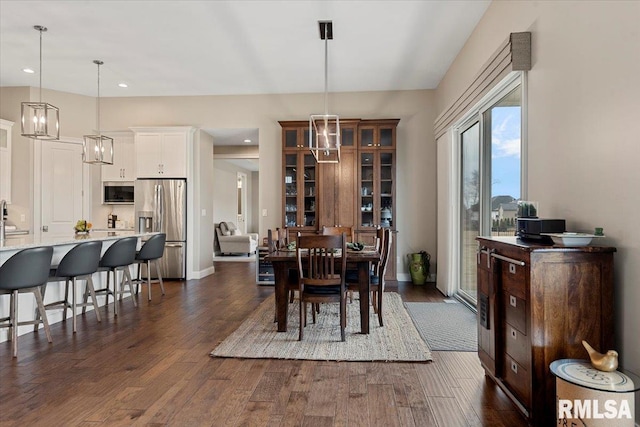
[5, 160]
[535, 305]
[357, 192]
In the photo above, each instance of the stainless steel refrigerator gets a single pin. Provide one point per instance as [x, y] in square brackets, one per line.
[161, 206]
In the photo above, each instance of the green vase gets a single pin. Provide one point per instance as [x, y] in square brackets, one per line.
[419, 267]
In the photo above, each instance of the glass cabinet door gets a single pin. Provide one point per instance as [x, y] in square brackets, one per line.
[387, 188]
[310, 194]
[377, 188]
[291, 189]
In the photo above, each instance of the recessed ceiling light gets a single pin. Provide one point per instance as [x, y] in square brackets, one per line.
[123, 85]
[28, 70]
[247, 140]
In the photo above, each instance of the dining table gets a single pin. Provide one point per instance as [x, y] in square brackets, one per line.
[285, 260]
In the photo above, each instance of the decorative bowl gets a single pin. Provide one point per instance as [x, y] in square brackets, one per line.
[571, 239]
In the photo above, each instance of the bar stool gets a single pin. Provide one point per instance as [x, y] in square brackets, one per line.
[151, 250]
[118, 257]
[79, 263]
[26, 271]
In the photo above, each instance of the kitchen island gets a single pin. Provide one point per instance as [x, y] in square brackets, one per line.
[61, 243]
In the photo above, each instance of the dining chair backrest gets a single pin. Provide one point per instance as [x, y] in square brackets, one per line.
[122, 252]
[317, 256]
[385, 250]
[153, 248]
[336, 231]
[81, 260]
[26, 269]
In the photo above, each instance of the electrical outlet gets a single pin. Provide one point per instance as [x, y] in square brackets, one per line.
[264, 212]
[23, 217]
[204, 212]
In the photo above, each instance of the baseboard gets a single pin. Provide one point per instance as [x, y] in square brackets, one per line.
[406, 277]
[204, 273]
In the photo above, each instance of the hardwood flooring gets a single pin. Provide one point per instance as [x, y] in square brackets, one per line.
[150, 366]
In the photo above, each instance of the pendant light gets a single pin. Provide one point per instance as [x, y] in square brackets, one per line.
[97, 149]
[39, 119]
[324, 129]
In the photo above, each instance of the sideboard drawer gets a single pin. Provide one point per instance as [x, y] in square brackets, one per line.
[515, 311]
[518, 380]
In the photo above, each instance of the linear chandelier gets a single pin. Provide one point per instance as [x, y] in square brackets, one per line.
[40, 120]
[97, 149]
[324, 129]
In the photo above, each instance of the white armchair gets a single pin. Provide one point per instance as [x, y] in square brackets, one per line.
[230, 240]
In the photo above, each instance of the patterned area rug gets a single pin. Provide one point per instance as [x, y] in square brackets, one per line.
[445, 327]
[397, 341]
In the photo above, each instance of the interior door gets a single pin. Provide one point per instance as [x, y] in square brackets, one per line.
[62, 182]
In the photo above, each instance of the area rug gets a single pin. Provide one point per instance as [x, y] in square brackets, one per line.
[397, 341]
[445, 327]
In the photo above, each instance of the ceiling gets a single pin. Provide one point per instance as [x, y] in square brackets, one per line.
[171, 48]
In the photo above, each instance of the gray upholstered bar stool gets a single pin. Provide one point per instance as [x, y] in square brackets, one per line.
[79, 263]
[118, 257]
[151, 250]
[26, 271]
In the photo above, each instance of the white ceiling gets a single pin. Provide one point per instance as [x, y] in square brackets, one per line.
[168, 48]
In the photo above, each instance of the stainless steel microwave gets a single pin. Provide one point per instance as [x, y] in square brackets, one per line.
[117, 193]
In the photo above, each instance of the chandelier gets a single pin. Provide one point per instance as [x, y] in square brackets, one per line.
[97, 149]
[40, 120]
[324, 129]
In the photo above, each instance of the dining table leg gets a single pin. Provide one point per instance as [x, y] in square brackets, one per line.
[280, 272]
[363, 282]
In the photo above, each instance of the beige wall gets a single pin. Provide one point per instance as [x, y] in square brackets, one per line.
[203, 203]
[225, 193]
[583, 145]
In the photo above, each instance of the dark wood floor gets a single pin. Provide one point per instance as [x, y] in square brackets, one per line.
[151, 366]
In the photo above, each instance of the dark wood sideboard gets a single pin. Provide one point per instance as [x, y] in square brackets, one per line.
[536, 304]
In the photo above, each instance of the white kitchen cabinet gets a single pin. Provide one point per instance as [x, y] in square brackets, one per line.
[5, 160]
[124, 164]
[162, 152]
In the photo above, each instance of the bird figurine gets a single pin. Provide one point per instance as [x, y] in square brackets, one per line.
[603, 362]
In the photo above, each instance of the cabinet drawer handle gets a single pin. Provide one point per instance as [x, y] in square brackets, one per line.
[511, 260]
[514, 334]
[514, 367]
[512, 268]
[513, 301]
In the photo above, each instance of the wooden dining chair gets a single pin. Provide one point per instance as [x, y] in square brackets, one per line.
[321, 276]
[376, 277]
[336, 231]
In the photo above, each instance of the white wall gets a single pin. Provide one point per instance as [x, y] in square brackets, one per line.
[203, 204]
[584, 99]
[225, 192]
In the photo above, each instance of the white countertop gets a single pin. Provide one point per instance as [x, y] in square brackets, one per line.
[48, 239]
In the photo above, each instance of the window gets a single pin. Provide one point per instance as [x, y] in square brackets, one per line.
[490, 175]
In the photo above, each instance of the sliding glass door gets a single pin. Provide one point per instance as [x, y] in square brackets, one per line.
[490, 177]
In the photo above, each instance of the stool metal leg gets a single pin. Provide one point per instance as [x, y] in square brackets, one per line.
[13, 318]
[89, 287]
[157, 263]
[43, 313]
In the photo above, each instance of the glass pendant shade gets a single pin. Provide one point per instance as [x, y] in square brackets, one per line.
[40, 120]
[324, 129]
[97, 149]
[325, 137]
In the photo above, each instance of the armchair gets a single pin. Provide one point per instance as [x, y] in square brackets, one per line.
[230, 240]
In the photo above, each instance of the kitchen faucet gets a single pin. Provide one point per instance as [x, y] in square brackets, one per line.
[3, 208]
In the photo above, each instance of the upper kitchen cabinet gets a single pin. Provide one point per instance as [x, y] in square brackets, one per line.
[124, 164]
[5, 160]
[379, 134]
[162, 152]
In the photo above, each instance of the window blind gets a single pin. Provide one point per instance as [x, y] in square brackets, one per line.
[514, 54]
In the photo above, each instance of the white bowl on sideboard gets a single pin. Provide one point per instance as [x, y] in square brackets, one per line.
[571, 238]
